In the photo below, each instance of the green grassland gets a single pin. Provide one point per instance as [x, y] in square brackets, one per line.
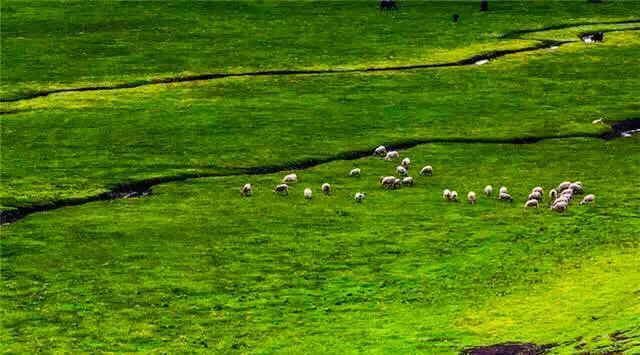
[59, 44]
[166, 130]
[194, 267]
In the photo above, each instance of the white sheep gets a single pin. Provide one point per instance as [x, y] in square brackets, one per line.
[308, 194]
[381, 150]
[535, 196]
[503, 196]
[488, 190]
[453, 197]
[559, 207]
[503, 190]
[568, 192]
[531, 203]
[397, 183]
[387, 181]
[471, 197]
[246, 190]
[355, 172]
[282, 189]
[427, 170]
[401, 170]
[290, 179]
[446, 194]
[392, 155]
[564, 185]
[553, 194]
[406, 163]
[561, 199]
[408, 181]
[539, 190]
[588, 199]
[359, 196]
[577, 188]
[326, 188]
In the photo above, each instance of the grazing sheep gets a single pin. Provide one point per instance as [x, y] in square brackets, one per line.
[488, 190]
[588, 199]
[535, 196]
[503, 196]
[246, 190]
[427, 170]
[446, 194]
[308, 194]
[392, 155]
[503, 190]
[531, 203]
[577, 188]
[564, 185]
[539, 190]
[402, 170]
[553, 194]
[291, 178]
[559, 207]
[397, 183]
[471, 197]
[568, 192]
[406, 163]
[359, 196]
[408, 181]
[578, 183]
[355, 172]
[326, 188]
[387, 181]
[453, 197]
[381, 150]
[561, 199]
[282, 189]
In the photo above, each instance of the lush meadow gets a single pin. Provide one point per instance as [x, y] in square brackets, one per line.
[194, 267]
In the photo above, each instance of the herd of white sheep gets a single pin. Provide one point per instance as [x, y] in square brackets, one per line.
[560, 197]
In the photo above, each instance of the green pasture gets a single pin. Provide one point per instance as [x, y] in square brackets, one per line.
[195, 267]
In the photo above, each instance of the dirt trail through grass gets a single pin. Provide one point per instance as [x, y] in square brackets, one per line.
[477, 59]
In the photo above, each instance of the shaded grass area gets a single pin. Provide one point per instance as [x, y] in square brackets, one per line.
[194, 266]
[114, 42]
[194, 128]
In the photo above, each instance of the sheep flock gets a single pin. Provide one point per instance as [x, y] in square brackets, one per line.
[560, 197]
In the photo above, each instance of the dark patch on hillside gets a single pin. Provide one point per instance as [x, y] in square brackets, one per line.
[622, 128]
[509, 349]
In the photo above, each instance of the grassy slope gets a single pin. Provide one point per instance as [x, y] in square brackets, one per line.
[402, 272]
[116, 136]
[60, 44]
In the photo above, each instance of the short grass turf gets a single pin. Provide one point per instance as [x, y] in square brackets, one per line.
[78, 144]
[56, 44]
[195, 266]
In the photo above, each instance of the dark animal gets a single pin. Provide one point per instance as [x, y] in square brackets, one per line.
[388, 5]
[455, 18]
[484, 5]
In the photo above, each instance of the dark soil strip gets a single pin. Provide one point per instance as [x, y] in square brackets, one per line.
[211, 76]
[144, 187]
[518, 33]
[509, 349]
